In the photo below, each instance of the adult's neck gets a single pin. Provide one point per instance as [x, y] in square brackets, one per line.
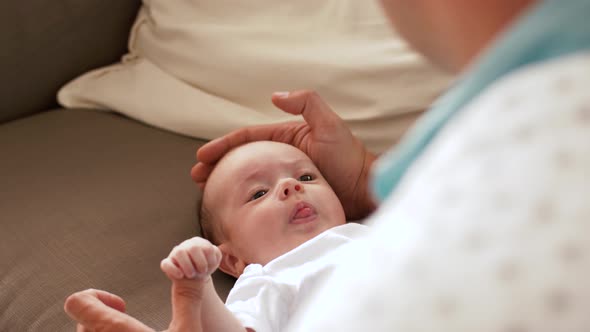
[474, 26]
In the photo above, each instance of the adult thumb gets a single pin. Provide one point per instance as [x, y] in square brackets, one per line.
[97, 310]
[187, 299]
[308, 104]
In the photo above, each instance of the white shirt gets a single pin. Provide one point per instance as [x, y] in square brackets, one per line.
[264, 297]
[488, 231]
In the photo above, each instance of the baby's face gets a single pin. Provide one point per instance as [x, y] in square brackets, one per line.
[270, 198]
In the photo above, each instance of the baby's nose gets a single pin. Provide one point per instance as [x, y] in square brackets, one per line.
[290, 187]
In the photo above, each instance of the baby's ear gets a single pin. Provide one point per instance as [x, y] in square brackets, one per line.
[230, 264]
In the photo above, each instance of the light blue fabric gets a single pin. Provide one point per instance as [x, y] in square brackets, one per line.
[550, 29]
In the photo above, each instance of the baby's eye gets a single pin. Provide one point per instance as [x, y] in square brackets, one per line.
[258, 194]
[306, 177]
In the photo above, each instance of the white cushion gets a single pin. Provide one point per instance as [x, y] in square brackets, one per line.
[203, 68]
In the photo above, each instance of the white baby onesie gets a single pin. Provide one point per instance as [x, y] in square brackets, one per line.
[265, 297]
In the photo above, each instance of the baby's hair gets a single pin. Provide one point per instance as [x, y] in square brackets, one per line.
[209, 230]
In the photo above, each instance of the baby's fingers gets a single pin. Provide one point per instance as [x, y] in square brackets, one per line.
[213, 258]
[199, 259]
[171, 270]
[182, 259]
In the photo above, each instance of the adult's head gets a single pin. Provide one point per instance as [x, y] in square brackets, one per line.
[264, 199]
[451, 33]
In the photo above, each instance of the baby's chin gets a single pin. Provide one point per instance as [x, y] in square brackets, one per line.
[289, 247]
[312, 233]
[294, 242]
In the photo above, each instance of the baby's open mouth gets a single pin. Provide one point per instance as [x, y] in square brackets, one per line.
[303, 213]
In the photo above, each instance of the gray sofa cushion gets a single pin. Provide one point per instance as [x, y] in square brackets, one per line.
[90, 199]
[47, 43]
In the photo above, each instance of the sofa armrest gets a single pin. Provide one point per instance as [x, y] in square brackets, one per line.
[47, 43]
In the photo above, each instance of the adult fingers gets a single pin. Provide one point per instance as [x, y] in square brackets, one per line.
[97, 310]
[304, 102]
[108, 299]
[309, 104]
[211, 152]
[200, 172]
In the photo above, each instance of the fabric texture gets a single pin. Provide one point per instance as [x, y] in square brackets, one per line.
[203, 68]
[488, 229]
[550, 29]
[265, 297]
[45, 44]
[91, 200]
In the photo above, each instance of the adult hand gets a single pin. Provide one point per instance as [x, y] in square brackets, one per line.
[100, 311]
[324, 137]
[97, 310]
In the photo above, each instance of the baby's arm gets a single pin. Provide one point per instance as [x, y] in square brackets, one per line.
[190, 266]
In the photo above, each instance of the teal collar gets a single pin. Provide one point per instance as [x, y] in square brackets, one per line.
[550, 29]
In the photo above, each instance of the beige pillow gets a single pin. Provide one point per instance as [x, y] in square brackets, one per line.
[203, 68]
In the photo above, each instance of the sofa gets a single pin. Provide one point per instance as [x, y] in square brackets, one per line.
[88, 199]
[91, 198]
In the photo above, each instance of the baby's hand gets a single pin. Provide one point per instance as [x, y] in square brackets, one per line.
[195, 258]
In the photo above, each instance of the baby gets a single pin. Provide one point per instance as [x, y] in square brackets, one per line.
[274, 223]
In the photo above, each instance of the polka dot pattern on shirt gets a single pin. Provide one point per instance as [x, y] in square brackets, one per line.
[488, 230]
